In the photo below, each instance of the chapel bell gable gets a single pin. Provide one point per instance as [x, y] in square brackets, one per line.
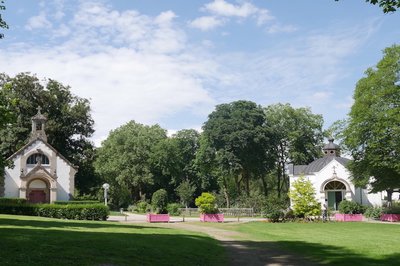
[38, 126]
[331, 149]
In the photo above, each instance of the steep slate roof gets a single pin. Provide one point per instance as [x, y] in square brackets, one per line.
[48, 145]
[318, 164]
[332, 152]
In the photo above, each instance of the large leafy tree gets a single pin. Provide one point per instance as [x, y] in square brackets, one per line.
[373, 130]
[69, 122]
[6, 117]
[386, 5]
[235, 134]
[297, 138]
[3, 24]
[124, 161]
[174, 160]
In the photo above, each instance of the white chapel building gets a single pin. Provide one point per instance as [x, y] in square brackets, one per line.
[40, 173]
[332, 182]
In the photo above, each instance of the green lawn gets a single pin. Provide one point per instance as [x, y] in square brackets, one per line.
[42, 241]
[328, 243]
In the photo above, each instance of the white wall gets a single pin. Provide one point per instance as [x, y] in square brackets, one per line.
[65, 173]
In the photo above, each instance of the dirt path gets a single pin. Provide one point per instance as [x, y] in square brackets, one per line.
[245, 252]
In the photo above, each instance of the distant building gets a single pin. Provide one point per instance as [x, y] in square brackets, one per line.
[332, 182]
[40, 173]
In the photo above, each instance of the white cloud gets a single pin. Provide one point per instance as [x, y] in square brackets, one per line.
[222, 12]
[131, 66]
[244, 10]
[321, 96]
[206, 23]
[38, 22]
[135, 66]
[277, 28]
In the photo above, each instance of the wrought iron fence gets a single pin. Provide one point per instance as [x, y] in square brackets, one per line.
[235, 212]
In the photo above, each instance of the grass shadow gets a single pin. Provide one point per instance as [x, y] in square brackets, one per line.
[301, 253]
[25, 242]
[34, 221]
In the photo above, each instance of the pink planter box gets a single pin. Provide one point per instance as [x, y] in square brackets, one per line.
[390, 217]
[158, 218]
[348, 217]
[216, 218]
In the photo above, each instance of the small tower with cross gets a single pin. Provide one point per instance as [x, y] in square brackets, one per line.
[38, 126]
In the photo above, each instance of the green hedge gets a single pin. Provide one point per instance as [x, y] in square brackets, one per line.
[73, 212]
[71, 202]
[12, 201]
[18, 209]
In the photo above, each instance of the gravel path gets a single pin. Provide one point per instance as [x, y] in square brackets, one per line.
[240, 252]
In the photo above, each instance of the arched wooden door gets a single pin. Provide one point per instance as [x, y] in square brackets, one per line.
[37, 196]
[38, 191]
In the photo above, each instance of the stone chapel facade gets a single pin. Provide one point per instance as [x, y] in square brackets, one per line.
[40, 173]
[332, 182]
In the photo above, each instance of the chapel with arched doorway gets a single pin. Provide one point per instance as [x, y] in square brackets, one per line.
[332, 181]
[39, 173]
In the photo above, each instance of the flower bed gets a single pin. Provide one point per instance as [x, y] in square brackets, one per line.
[157, 218]
[390, 217]
[348, 217]
[216, 218]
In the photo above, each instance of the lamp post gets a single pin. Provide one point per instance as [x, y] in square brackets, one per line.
[106, 187]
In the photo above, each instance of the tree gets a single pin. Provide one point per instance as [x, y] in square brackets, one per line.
[69, 124]
[174, 160]
[159, 201]
[373, 132]
[186, 191]
[297, 135]
[336, 131]
[386, 5]
[6, 117]
[124, 161]
[3, 24]
[234, 133]
[303, 198]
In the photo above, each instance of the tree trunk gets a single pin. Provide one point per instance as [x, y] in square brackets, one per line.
[228, 204]
[265, 185]
[246, 178]
[389, 197]
[278, 186]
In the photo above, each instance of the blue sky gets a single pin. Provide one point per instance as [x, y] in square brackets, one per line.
[171, 62]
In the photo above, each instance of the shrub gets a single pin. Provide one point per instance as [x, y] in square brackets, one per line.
[174, 209]
[373, 212]
[394, 209]
[273, 213]
[302, 195]
[273, 209]
[206, 203]
[350, 207]
[289, 215]
[72, 202]
[140, 207]
[12, 201]
[75, 212]
[18, 209]
[159, 201]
